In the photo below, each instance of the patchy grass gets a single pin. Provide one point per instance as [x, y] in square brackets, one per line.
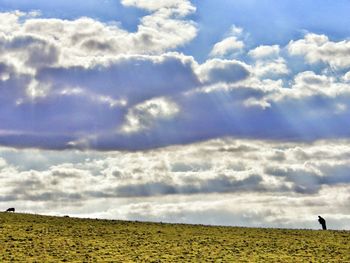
[35, 238]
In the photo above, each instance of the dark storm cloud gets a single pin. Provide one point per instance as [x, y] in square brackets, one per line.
[218, 70]
[81, 101]
[60, 119]
[134, 78]
[210, 115]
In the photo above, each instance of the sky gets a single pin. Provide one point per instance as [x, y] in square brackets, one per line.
[212, 112]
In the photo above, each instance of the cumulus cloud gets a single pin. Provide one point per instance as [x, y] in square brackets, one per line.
[220, 70]
[53, 65]
[182, 7]
[218, 166]
[31, 42]
[272, 178]
[231, 45]
[265, 52]
[268, 123]
[318, 48]
[310, 84]
[143, 115]
[271, 68]
[84, 84]
[347, 76]
[226, 46]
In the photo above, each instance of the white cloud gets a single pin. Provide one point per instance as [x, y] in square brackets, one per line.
[84, 73]
[197, 179]
[262, 52]
[30, 42]
[9, 22]
[235, 31]
[252, 102]
[31, 47]
[347, 76]
[227, 46]
[231, 45]
[181, 7]
[318, 48]
[3, 163]
[271, 68]
[308, 84]
[89, 84]
[267, 77]
[144, 115]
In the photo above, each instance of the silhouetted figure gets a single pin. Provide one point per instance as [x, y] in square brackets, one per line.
[11, 209]
[322, 222]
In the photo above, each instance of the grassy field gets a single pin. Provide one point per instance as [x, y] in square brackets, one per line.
[34, 238]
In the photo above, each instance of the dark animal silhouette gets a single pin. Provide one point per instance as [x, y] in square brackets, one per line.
[11, 209]
[322, 221]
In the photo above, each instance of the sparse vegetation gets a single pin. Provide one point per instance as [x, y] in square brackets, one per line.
[26, 237]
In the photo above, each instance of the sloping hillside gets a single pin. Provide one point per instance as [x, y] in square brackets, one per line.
[27, 237]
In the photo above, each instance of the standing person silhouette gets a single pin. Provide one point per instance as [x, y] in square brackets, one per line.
[322, 221]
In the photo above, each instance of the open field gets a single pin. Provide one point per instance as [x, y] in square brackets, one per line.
[34, 238]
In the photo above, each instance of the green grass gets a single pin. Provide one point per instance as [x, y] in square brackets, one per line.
[35, 238]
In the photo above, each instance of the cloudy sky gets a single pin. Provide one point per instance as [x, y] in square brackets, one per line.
[213, 112]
